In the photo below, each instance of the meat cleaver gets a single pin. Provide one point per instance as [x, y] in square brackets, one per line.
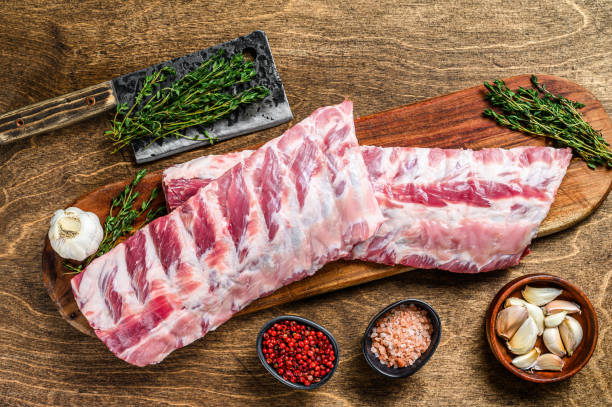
[64, 110]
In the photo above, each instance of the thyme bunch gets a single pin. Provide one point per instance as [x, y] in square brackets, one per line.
[540, 113]
[201, 97]
[121, 223]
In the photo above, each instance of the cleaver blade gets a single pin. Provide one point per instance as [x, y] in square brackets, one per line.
[64, 110]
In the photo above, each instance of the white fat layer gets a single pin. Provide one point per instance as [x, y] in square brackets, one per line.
[215, 166]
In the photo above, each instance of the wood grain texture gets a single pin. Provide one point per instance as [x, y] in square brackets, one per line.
[380, 54]
[449, 121]
[56, 113]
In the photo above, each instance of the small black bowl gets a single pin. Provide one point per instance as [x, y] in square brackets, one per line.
[304, 321]
[393, 372]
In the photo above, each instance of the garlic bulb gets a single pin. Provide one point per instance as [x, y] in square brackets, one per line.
[75, 234]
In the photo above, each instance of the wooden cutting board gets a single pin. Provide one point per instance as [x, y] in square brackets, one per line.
[450, 121]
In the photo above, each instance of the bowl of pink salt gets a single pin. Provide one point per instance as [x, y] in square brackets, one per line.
[401, 338]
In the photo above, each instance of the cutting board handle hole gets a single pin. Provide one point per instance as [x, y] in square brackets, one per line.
[19, 122]
[249, 54]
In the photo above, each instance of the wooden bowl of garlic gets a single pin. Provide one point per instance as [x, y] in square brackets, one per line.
[542, 328]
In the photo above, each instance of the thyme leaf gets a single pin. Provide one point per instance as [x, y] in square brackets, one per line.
[199, 98]
[120, 220]
[540, 113]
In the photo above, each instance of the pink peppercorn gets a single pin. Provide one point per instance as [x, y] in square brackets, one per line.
[298, 352]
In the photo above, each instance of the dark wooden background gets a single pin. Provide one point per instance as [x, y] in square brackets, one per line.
[380, 55]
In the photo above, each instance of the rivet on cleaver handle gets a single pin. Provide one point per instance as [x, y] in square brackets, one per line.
[53, 114]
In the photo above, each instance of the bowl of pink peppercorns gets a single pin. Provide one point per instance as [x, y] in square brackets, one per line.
[401, 338]
[297, 352]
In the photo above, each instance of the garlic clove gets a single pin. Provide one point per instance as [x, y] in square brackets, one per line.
[548, 361]
[540, 295]
[524, 339]
[527, 360]
[75, 234]
[571, 334]
[534, 311]
[554, 320]
[509, 320]
[556, 306]
[552, 340]
[510, 301]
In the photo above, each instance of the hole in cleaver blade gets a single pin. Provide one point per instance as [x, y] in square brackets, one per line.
[269, 112]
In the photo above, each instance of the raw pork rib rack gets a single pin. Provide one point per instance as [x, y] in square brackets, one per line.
[458, 210]
[300, 201]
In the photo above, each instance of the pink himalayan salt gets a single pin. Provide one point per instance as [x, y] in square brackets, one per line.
[401, 335]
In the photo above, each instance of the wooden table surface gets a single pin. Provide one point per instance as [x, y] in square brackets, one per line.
[380, 55]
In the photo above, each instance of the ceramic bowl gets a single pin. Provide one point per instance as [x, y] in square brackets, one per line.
[304, 321]
[587, 319]
[396, 373]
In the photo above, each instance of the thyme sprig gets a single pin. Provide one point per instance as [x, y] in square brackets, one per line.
[120, 223]
[540, 113]
[201, 97]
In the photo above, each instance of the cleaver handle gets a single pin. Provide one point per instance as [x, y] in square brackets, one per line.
[53, 114]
